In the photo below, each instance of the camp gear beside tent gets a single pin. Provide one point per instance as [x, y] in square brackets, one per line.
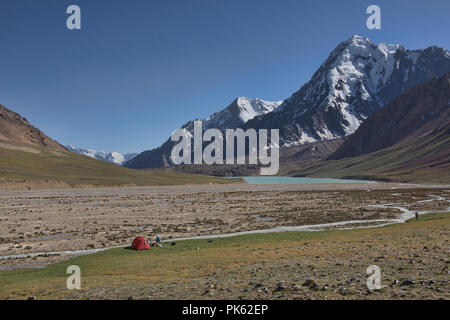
[140, 243]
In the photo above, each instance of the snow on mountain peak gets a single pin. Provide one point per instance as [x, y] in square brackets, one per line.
[235, 115]
[117, 157]
[114, 157]
[358, 41]
[361, 54]
[250, 108]
[241, 110]
[388, 48]
[363, 68]
[358, 78]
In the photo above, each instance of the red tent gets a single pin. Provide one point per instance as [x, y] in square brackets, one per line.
[140, 243]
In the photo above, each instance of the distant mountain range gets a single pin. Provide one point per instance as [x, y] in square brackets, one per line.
[114, 157]
[358, 78]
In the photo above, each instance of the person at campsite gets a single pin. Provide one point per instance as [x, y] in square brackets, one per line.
[417, 215]
[158, 239]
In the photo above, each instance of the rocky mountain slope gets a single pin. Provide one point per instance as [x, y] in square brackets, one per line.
[114, 157]
[358, 78]
[236, 114]
[408, 140]
[419, 111]
[17, 129]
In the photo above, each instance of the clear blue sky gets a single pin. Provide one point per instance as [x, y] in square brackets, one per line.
[140, 68]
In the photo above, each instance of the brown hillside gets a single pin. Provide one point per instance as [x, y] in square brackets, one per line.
[17, 129]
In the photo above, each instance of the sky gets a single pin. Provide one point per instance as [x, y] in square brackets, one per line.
[138, 69]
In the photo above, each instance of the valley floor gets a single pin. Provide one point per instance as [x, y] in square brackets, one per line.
[35, 223]
[413, 258]
[39, 221]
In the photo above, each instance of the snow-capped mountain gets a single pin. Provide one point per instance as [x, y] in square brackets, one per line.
[239, 112]
[358, 78]
[422, 111]
[236, 114]
[114, 157]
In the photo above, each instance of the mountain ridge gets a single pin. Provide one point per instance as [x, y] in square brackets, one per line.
[358, 78]
[15, 128]
[417, 112]
[408, 140]
[31, 160]
[231, 117]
